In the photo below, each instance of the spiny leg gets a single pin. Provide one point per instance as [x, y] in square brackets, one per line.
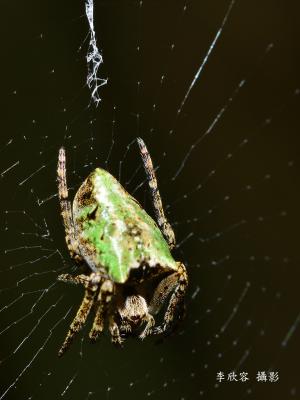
[91, 281]
[156, 199]
[75, 280]
[104, 298]
[162, 291]
[114, 330]
[176, 300]
[79, 319]
[65, 205]
[148, 328]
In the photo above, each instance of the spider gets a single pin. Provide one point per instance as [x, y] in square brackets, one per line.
[130, 270]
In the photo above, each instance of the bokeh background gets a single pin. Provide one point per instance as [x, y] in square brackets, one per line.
[228, 168]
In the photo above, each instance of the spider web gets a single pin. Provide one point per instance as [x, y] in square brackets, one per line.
[212, 87]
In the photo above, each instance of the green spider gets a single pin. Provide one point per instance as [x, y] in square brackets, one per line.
[131, 270]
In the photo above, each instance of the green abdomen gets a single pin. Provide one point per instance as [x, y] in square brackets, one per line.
[114, 232]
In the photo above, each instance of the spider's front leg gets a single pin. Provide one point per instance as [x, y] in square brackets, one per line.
[161, 219]
[66, 207]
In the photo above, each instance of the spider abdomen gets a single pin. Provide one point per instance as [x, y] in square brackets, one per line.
[113, 231]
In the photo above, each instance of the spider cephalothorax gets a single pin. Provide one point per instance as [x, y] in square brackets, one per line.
[134, 312]
[107, 230]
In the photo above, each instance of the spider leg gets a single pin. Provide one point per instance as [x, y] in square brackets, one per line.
[104, 298]
[88, 281]
[148, 328]
[162, 291]
[79, 319]
[91, 283]
[176, 283]
[162, 221]
[75, 280]
[65, 206]
[114, 330]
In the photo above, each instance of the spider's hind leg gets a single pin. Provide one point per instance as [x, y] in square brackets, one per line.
[162, 221]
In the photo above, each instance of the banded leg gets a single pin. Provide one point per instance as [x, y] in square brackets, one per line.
[162, 291]
[156, 199]
[75, 280]
[179, 285]
[104, 298]
[79, 319]
[114, 330]
[91, 281]
[65, 206]
[148, 328]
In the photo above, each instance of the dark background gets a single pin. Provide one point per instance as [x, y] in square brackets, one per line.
[238, 232]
